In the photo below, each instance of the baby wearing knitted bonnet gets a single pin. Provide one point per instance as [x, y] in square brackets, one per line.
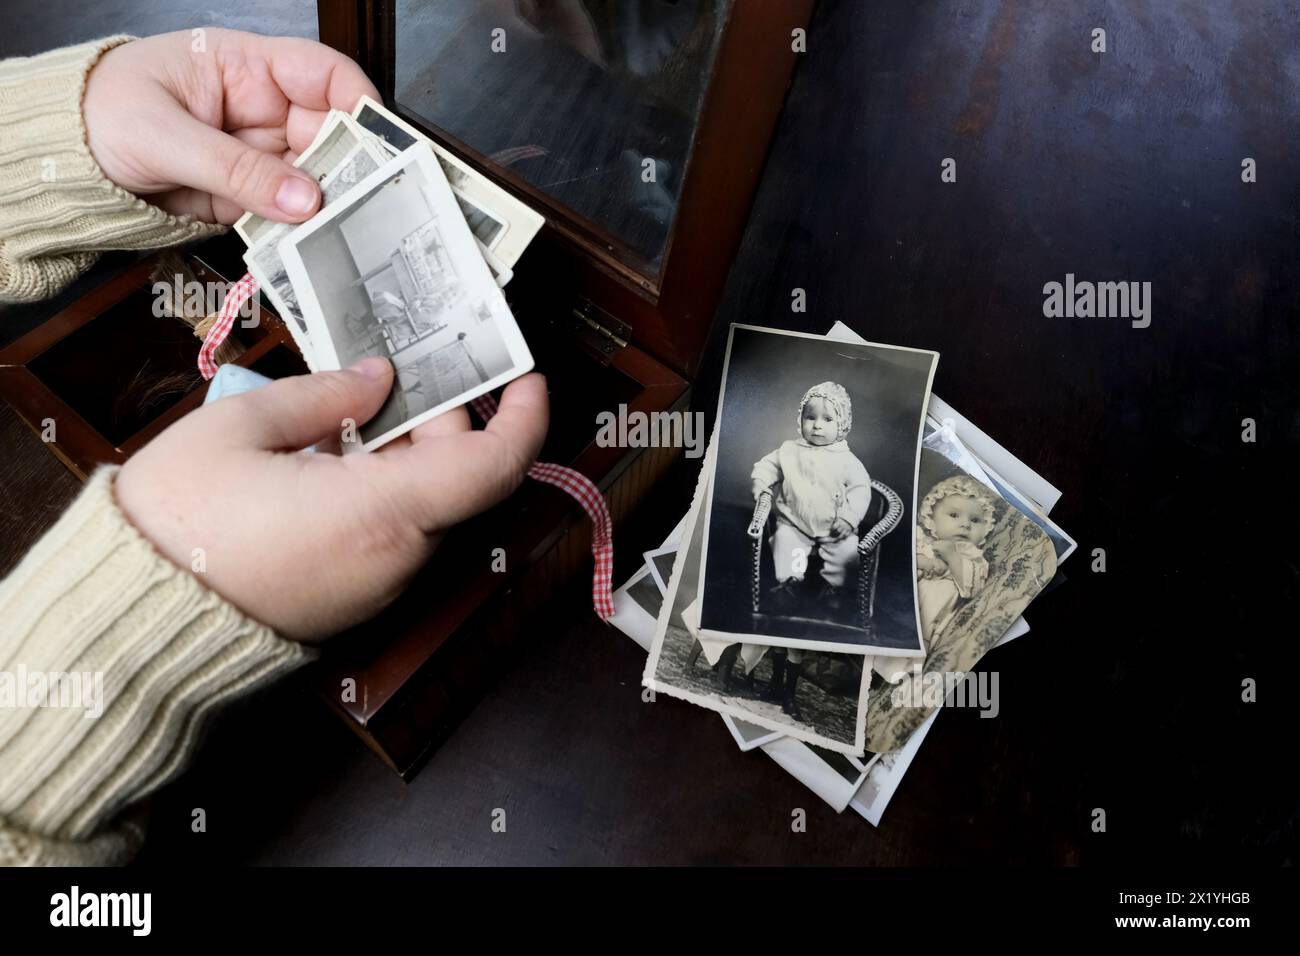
[955, 517]
[820, 492]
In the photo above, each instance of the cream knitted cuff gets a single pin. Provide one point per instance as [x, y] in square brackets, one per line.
[134, 652]
[57, 209]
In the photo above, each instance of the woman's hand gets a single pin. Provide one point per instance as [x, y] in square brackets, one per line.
[310, 544]
[207, 122]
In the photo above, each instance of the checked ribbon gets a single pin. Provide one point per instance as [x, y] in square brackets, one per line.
[577, 485]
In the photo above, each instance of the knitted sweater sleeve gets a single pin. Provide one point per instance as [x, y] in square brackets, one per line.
[58, 211]
[111, 657]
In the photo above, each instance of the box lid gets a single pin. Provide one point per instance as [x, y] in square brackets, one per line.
[638, 130]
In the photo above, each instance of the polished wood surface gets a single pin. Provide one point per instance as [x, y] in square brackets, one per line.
[1126, 694]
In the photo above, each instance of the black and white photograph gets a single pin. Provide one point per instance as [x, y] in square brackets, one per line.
[503, 224]
[883, 778]
[749, 736]
[808, 530]
[980, 561]
[263, 260]
[636, 607]
[835, 777]
[880, 784]
[813, 696]
[338, 140]
[638, 602]
[644, 589]
[393, 270]
[660, 563]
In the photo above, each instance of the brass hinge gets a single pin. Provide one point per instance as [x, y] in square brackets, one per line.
[600, 330]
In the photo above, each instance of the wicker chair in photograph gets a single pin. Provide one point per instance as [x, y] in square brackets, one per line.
[883, 516]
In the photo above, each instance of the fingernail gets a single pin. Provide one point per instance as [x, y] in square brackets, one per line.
[296, 196]
[371, 367]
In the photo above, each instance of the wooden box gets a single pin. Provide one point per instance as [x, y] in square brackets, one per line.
[106, 373]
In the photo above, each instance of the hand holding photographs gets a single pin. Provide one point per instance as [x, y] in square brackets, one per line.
[391, 269]
[399, 262]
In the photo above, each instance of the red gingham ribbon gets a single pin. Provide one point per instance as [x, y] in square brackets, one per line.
[573, 483]
[238, 294]
[583, 490]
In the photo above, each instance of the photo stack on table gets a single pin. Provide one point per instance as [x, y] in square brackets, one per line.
[854, 548]
[405, 259]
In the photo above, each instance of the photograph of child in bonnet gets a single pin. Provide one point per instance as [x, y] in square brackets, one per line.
[820, 494]
[781, 562]
[955, 517]
[980, 560]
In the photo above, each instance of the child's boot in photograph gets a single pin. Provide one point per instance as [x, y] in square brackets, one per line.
[725, 665]
[837, 602]
[790, 705]
[832, 598]
[775, 690]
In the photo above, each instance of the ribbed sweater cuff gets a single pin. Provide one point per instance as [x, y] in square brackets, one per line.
[93, 597]
[58, 210]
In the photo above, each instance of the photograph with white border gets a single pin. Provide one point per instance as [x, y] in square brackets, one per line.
[391, 269]
[338, 138]
[660, 563]
[749, 736]
[636, 607]
[504, 224]
[638, 602]
[263, 259]
[832, 776]
[818, 442]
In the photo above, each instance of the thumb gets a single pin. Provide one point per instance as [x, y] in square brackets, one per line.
[260, 182]
[295, 412]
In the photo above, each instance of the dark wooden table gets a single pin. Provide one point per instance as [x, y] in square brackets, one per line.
[1126, 695]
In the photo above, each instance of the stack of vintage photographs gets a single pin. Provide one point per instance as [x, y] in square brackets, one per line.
[406, 258]
[854, 548]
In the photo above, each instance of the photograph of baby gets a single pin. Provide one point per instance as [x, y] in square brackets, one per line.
[391, 269]
[980, 560]
[808, 530]
[813, 696]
